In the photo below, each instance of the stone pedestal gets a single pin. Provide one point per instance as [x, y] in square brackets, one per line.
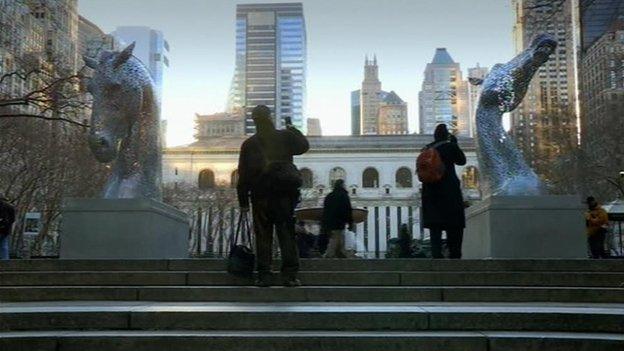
[526, 227]
[123, 229]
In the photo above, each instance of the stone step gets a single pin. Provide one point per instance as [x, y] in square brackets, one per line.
[603, 318]
[530, 265]
[307, 341]
[312, 294]
[336, 278]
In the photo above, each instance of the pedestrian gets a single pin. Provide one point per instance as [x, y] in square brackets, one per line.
[268, 176]
[442, 200]
[7, 218]
[337, 214]
[596, 221]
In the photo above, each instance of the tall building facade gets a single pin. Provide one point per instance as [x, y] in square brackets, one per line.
[356, 127]
[444, 96]
[596, 17]
[600, 22]
[151, 48]
[544, 125]
[370, 98]
[59, 19]
[22, 38]
[374, 111]
[474, 91]
[602, 97]
[270, 62]
[393, 115]
[314, 127]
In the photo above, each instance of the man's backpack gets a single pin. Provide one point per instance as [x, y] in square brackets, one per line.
[429, 165]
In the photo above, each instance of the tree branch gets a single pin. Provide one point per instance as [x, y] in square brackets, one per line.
[27, 115]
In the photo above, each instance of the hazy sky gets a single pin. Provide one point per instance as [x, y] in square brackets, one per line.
[403, 33]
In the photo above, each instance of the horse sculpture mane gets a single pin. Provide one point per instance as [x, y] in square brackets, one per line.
[504, 170]
[125, 123]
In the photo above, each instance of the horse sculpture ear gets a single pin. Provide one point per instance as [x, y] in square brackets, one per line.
[90, 61]
[123, 56]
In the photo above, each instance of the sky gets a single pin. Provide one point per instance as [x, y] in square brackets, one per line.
[402, 33]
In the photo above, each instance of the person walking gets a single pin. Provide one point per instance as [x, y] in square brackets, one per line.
[269, 177]
[442, 201]
[596, 220]
[7, 218]
[337, 214]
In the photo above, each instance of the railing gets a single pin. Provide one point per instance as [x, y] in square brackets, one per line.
[211, 229]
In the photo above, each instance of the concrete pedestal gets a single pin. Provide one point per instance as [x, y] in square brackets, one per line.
[122, 228]
[526, 227]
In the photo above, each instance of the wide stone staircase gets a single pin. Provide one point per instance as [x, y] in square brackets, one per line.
[481, 305]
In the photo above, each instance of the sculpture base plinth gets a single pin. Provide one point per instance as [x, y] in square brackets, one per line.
[526, 227]
[122, 229]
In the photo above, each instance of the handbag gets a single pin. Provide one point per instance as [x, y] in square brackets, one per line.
[241, 258]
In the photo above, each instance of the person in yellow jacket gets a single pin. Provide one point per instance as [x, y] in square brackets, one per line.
[597, 221]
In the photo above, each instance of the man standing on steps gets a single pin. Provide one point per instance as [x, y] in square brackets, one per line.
[269, 177]
[337, 213]
[7, 217]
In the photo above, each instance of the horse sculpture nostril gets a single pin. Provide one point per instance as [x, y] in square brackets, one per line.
[103, 142]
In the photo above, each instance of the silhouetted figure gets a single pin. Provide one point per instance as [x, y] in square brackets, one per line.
[268, 176]
[7, 218]
[337, 214]
[596, 220]
[442, 201]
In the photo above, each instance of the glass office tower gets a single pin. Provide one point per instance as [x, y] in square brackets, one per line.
[270, 62]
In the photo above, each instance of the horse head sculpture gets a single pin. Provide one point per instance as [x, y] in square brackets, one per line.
[125, 124]
[504, 170]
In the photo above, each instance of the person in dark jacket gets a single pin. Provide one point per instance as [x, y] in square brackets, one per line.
[442, 202]
[337, 214]
[269, 177]
[7, 218]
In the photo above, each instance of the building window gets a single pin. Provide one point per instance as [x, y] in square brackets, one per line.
[234, 178]
[470, 178]
[403, 178]
[370, 178]
[335, 174]
[206, 179]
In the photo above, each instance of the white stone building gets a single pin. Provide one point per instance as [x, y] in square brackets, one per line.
[379, 171]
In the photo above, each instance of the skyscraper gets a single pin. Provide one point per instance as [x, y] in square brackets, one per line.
[270, 62]
[444, 96]
[596, 17]
[151, 48]
[601, 22]
[393, 115]
[356, 128]
[374, 111]
[370, 98]
[544, 125]
[474, 91]
[314, 127]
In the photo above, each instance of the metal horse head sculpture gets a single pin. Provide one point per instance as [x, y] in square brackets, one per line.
[504, 170]
[125, 125]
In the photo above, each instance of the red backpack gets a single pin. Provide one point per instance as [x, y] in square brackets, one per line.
[429, 165]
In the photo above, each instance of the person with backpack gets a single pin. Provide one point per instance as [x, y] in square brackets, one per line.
[337, 214]
[597, 222]
[268, 176]
[442, 199]
[7, 218]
